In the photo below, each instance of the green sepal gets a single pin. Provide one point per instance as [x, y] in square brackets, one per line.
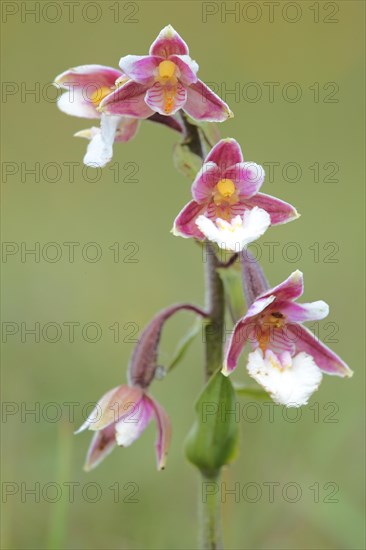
[187, 162]
[213, 440]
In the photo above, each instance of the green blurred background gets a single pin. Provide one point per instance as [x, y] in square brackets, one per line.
[311, 130]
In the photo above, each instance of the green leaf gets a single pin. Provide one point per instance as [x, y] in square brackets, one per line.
[184, 344]
[213, 439]
[251, 391]
[185, 161]
[231, 279]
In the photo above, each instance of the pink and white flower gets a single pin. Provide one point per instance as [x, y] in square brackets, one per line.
[87, 86]
[119, 418]
[164, 82]
[226, 207]
[288, 360]
[123, 413]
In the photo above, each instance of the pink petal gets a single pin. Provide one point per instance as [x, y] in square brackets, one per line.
[237, 209]
[205, 182]
[259, 305]
[84, 75]
[187, 67]
[246, 328]
[75, 103]
[127, 129]
[168, 43]
[102, 444]
[185, 222]
[325, 359]
[305, 312]
[131, 426]
[240, 335]
[111, 407]
[144, 359]
[226, 153]
[290, 289]
[247, 176]
[128, 100]
[164, 432]
[156, 98]
[203, 104]
[280, 211]
[279, 341]
[141, 68]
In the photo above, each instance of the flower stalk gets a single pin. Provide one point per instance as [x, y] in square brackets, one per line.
[227, 211]
[210, 537]
[210, 516]
[215, 306]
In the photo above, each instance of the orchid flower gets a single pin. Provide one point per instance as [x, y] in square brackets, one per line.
[287, 360]
[123, 413]
[86, 86]
[226, 207]
[119, 418]
[164, 82]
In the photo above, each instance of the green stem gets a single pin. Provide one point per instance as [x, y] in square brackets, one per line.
[215, 306]
[210, 514]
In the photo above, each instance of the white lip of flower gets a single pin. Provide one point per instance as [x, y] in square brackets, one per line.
[290, 382]
[129, 428]
[100, 148]
[237, 233]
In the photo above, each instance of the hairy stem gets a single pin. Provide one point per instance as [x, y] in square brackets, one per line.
[215, 307]
[192, 137]
[215, 298]
[210, 516]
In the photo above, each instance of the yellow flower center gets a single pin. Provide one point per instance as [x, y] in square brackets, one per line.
[99, 94]
[167, 70]
[269, 323]
[226, 188]
[276, 319]
[225, 196]
[167, 77]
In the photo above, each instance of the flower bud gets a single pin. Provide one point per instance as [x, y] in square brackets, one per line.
[143, 363]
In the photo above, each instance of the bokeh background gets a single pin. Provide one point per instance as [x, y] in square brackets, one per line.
[323, 449]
